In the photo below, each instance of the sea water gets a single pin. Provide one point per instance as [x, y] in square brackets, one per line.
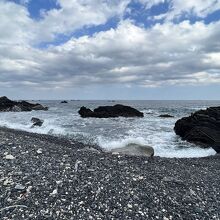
[110, 133]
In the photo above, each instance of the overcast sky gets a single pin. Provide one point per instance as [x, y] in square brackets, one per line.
[110, 49]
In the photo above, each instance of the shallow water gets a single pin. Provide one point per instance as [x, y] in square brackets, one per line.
[63, 119]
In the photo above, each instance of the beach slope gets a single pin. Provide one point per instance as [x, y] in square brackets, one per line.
[45, 177]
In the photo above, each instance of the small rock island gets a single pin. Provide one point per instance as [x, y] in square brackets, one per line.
[110, 112]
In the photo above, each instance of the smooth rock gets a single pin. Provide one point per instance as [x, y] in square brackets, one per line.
[19, 187]
[39, 151]
[9, 157]
[135, 150]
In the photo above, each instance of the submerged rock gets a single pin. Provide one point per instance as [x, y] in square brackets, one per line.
[37, 122]
[7, 105]
[202, 127]
[110, 112]
[135, 150]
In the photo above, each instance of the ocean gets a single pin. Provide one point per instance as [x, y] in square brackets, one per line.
[64, 120]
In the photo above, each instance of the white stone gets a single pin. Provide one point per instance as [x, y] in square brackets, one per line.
[9, 157]
[54, 192]
[7, 182]
[130, 206]
[19, 187]
[39, 151]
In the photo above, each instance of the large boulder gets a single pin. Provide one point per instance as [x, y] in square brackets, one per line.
[202, 127]
[7, 105]
[135, 150]
[110, 112]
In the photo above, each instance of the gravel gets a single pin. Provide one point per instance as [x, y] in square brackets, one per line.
[46, 177]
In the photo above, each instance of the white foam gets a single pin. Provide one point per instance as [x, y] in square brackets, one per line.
[191, 152]
[109, 133]
[161, 150]
[109, 145]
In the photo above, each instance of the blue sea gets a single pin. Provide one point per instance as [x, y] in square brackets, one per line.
[64, 120]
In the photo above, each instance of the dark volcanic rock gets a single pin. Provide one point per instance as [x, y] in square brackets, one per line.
[202, 127]
[37, 122]
[166, 116]
[64, 102]
[7, 105]
[110, 112]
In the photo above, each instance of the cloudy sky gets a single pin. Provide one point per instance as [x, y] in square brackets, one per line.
[110, 49]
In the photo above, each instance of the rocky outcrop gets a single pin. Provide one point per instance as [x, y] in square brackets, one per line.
[202, 127]
[110, 112]
[36, 122]
[135, 150]
[64, 102]
[166, 116]
[7, 105]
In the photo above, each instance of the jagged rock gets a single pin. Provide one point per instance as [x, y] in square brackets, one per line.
[7, 105]
[135, 150]
[166, 116]
[64, 102]
[37, 122]
[110, 112]
[202, 127]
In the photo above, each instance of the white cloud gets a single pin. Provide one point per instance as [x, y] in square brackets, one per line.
[15, 25]
[71, 15]
[166, 54]
[199, 8]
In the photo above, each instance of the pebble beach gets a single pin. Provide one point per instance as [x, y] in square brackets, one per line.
[47, 177]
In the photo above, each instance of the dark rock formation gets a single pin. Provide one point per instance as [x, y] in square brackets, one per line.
[7, 105]
[64, 102]
[202, 127]
[166, 116]
[37, 122]
[110, 112]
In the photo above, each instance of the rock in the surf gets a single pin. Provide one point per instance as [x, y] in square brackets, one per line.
[135, 150]
[202, 127]
[166, 116]
[7, 105]
[64, 102]
[110, 112]
[37, 122]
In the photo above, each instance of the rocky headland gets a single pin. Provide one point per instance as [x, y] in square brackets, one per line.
[7, 105]
[201, 127]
